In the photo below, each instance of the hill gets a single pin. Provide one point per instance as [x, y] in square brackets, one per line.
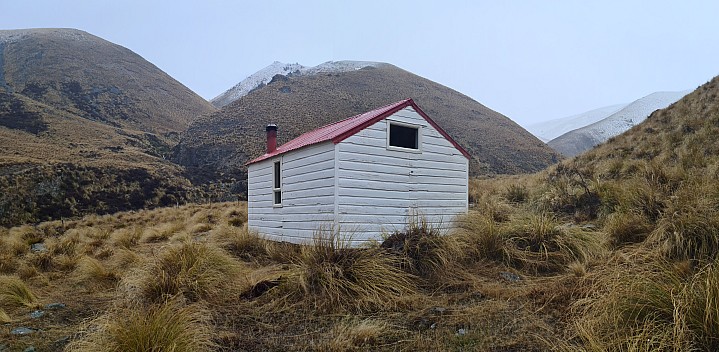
[85, 126]
[220, 143]
[584, 138]
[551, 129]
[264, 76]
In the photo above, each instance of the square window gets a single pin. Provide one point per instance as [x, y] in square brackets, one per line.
[403, 136]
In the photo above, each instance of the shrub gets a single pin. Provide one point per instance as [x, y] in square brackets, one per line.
[332, 276]
[14, 291]
[165, 327]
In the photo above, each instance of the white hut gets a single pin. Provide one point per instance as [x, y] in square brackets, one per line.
[364, 175]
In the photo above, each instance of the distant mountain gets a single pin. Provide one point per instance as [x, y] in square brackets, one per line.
[264, 76]
[582, 139]
[548, 130]
[216, 146]
[86, 126]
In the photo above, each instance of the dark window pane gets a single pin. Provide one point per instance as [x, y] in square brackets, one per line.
[402, 136]
[277, 175]
[278, 197]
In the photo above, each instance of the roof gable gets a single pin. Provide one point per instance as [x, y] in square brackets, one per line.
[341, 130]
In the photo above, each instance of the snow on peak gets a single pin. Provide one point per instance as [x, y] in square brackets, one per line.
[581, 139]
[264, 76]
[548, 130]
[254, 81]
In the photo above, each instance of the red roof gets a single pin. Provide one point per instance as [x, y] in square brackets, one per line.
[339, 131]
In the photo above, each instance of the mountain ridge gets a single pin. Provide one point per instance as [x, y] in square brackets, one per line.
[579, 140]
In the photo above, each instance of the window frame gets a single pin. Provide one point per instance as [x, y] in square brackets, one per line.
[409, 125]
[277, 178]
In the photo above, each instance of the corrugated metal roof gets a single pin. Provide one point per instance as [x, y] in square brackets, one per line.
[338, 131]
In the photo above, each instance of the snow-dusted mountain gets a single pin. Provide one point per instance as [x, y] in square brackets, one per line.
[548, 130]
[264, 76]
[582, 139]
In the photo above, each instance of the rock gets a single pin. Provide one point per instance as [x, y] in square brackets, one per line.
[461, 332]
[22, 331]
[55, 306]
[37, 314]
[438, 310]
[511, 277]
[30, 349]
[38, 247]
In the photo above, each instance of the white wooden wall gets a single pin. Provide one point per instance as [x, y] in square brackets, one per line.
[378, 188]
[308, 189]
[375, 190]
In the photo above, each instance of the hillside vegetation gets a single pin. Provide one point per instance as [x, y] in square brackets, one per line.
[217, 145]
[616, 250]
[86, 127]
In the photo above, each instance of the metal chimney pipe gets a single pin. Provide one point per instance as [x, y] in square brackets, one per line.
[271, 138]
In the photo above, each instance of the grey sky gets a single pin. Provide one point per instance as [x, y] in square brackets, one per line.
[529, 60]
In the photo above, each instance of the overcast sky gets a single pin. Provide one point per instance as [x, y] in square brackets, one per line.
[529, 60]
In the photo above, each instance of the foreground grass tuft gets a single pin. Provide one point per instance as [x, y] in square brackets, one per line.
[14, 292]
[332, 276]
[165, 327]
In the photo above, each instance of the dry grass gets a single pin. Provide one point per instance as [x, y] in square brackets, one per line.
[196, 271]
[169, 326]
[15, 292]
[329, 275]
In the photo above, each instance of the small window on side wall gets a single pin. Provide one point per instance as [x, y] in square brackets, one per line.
[277, 185]
[403, 136]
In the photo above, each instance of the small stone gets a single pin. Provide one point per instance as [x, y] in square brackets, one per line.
[433, 326]
[22, 331]
[55, 306]
[511, 277]
[461, 332]
[30, 349]
[38, 247]
[438, 310]
[37, 314]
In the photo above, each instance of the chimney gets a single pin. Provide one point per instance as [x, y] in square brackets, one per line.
[271, 138]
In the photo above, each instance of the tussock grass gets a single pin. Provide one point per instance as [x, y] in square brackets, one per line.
[4, 317]
[126, 237]
[653, 305]
[356, 334]
[529, 241]
[626, 228]
[95, 273]
[14, 292]
[329, 275]
[194, 270]
[169, 326]
[423, 250]
[241, 242]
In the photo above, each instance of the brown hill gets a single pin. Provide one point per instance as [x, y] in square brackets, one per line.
[87, 76]
[220, 143]
[85, 126]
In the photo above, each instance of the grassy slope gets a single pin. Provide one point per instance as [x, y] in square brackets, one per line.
[614, 251]
[85, 127]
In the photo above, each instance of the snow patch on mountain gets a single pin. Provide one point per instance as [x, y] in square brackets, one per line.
[548, 130]
[254, 81]
[264, 76]
[581, 139]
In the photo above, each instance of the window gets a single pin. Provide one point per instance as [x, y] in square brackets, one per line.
[277, 185]
[403, 136]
